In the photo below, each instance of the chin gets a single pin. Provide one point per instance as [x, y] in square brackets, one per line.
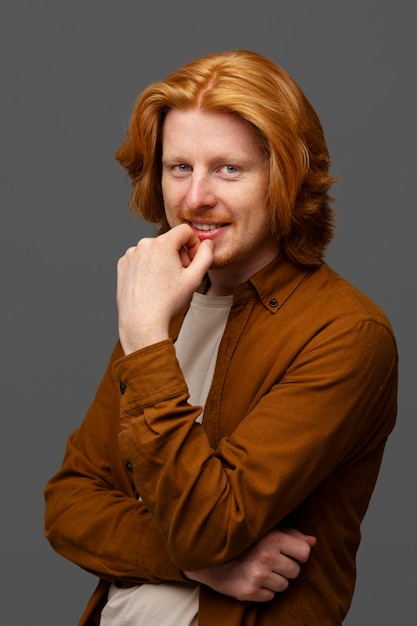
[221, 263]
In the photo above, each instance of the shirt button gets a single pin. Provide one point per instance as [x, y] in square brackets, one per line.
[129, 466]
[122, 387]
[273, 303]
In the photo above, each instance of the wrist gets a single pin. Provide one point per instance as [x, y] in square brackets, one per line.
[131, 342]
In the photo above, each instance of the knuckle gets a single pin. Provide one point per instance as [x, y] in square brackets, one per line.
[264, 555]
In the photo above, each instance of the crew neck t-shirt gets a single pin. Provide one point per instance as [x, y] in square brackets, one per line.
[175, 603]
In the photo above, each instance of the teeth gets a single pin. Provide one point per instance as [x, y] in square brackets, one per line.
[204, 226]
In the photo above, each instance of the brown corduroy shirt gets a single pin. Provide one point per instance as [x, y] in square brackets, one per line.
[302, 401]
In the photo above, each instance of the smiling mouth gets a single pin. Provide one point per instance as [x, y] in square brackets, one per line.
[206, 227]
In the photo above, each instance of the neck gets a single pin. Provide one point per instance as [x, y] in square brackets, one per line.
[218, 290]
[223, 282]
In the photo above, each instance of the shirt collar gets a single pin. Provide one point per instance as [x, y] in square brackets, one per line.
[274, 283]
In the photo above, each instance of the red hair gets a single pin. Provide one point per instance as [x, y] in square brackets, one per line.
[285, 124]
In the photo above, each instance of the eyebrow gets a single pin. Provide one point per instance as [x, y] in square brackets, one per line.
[224, 157]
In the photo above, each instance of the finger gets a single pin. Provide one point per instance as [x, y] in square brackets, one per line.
[278, 584]
[185, 257]
[203, 259]
[311, 540]
[288, 569]
[254, 594]
[182, 235]
[297, 545]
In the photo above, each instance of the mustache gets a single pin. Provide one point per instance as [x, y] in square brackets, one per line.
[208, 216]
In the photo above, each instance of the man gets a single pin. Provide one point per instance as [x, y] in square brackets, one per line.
[253, 389]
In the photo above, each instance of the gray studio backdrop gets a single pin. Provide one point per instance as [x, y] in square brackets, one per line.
[70, 74]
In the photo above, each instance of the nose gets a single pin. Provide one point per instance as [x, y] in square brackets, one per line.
[200, 192]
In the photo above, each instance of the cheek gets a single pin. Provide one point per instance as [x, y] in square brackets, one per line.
[171, 194]
[171, 217]
[168, 202]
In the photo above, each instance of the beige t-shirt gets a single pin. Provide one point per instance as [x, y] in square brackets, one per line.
[176, 604]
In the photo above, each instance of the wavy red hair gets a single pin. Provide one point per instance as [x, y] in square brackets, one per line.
[253, 87]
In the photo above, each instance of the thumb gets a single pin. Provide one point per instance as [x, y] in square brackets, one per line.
[310, 539]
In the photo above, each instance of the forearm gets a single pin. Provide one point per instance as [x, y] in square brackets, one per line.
[213, 502]
[263, 570]
[92, 514]
[108, 534]
[103, 530]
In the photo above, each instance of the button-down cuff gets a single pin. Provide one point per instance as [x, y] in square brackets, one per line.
[147, 376]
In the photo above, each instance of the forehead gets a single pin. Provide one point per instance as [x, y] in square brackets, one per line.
[195, 129]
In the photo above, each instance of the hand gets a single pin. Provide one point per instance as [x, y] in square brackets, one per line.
[261, 571]
[155, 279]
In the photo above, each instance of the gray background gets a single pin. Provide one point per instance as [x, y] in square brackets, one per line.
[70, 74]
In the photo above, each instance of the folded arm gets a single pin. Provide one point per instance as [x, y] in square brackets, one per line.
[94, 518]
[261, 571]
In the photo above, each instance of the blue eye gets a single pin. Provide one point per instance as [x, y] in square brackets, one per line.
[231, 169]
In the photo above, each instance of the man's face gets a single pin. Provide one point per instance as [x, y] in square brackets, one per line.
[215, 178]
